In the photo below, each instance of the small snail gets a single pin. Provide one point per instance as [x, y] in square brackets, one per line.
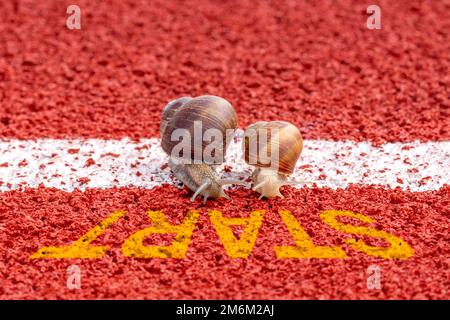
[273, 148]
[205, 125]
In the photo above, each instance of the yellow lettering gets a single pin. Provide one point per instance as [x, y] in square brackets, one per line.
[398, 248]
[304, 247]
[237, 248]
[133, 246]
[81, 248]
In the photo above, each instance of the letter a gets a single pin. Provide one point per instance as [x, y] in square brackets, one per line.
[74, 20]
[374, 21]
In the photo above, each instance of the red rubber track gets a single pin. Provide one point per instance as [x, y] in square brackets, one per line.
[314, 63]
[47, 217]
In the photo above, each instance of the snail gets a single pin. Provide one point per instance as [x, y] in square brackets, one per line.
[273, 148]
[205, 125]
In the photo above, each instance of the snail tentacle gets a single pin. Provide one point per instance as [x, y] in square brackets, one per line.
[201, 189]
[224, 195]
[224, 182]
[268, 183]
[261, 184]
[292, 183]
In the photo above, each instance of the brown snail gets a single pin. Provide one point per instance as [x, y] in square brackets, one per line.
[195, 133]
[273, 148]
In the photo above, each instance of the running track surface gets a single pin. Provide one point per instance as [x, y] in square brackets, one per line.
[314, 64]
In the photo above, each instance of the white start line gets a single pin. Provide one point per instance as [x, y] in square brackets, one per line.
[96, 163]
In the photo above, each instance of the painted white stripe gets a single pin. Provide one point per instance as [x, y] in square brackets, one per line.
[94, 163]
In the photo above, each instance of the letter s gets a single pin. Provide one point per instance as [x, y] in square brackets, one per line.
[398, 248]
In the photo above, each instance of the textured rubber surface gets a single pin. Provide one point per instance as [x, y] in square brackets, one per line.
[46, 217]
[312, 63]
[97, 163]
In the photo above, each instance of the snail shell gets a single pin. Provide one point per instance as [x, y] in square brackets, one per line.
[209, 112]
[196, 116]
[273, 148]
[169, 111]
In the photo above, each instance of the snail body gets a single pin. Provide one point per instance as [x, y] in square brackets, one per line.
[205, 125]
[273, 148]
[200, 178]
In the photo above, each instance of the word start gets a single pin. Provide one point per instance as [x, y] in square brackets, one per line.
[235, 247]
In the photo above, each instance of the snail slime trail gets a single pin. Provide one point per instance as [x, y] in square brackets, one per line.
[212, 122]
